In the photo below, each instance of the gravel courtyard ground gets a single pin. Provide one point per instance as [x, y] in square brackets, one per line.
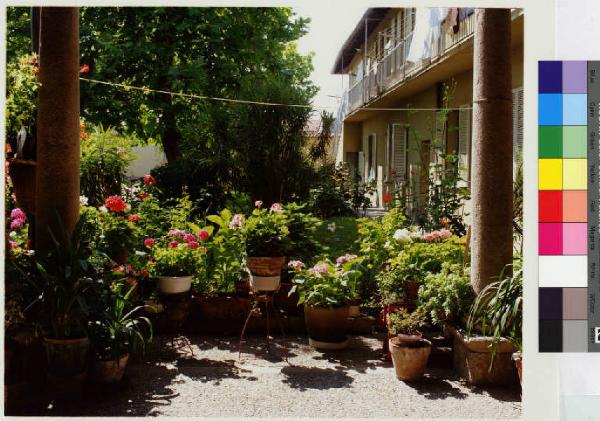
[354, 383]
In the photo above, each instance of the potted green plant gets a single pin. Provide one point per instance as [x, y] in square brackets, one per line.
[267, 240]
[494, 329]
[410, 352]
[175, 264]
[115, 333]
[325, 290]
[118, 231]
[64, 281]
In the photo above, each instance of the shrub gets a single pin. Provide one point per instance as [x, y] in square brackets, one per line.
[403, 322]
[21, 98]
[302, 227]
[446, 295]
[325, 284]
[105, 157]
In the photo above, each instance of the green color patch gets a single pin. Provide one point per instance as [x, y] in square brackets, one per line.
[550, 142]
[338, 236]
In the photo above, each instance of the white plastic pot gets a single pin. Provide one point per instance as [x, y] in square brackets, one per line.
[174, 284]
[265, 283]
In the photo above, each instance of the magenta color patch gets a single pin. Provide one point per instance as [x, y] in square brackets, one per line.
[550, 239]
[575, 239]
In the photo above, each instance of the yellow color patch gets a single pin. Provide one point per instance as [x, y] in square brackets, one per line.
[575, 174]
[550, 174]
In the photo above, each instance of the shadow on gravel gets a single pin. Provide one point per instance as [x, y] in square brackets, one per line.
[207, 370]
[304, 378]
[434, 388]
[359, 357]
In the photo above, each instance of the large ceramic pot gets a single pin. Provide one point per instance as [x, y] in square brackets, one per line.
[174, 284]
[110, 371]
[409, 357]
[326, 327]
[265, 266]
[354, 308]
[22, 174]
[67, 361]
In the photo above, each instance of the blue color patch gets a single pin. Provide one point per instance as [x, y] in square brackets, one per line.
[550, 109]
[574, 109]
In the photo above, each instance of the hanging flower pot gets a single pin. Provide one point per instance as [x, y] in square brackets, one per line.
[22, 174]
[265, 266]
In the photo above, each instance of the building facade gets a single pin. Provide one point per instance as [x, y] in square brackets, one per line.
[409, 101]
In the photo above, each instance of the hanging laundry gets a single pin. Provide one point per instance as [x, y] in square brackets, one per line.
[427, 32]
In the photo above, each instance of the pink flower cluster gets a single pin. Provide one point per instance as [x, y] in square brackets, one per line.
[321, 269]
[345, 258]
[236, 222]
[149, 180]
[296, 264]
[17, 219]
[190, 239]
[438, 235]
[276, 208]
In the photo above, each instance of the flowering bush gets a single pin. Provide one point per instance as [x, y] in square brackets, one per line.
[437, 235]
[325, 284]
[266, 232]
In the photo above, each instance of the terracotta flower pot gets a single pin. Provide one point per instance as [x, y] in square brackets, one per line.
[354, 308]
[174, 284]
[265, 266]
[265, 283]
[67, 357]
[111, 371]
[326, 327]
[409, 358]
[517, 358]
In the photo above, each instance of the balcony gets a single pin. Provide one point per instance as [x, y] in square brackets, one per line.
[393, 69]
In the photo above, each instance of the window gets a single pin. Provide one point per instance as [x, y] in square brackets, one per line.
[371, 157]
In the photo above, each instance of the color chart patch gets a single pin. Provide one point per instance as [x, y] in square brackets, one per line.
[568, 126]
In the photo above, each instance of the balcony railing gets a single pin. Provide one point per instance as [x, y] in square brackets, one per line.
[393, 68]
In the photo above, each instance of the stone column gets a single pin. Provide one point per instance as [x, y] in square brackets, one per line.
[57, 173]
[491, 172]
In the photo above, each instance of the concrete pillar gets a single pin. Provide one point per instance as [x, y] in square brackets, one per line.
[57, 172]
[491, 173]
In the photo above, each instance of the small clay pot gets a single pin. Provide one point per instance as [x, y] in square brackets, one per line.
[410, 358]
[109, 371]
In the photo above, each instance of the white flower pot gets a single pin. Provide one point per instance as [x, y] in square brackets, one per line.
[265, 283]
[174, 284]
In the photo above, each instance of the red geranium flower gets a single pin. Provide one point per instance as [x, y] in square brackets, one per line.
[134, 218]
[149, 242]
[143, 195]
[387, 197]
[193, 245]
[149, 180]
[115, 203]
[144, 273]
[203, 235]
[173, 244]
[84, 69]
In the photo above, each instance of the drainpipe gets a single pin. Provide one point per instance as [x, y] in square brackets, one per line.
[57, 173]
[491, 179]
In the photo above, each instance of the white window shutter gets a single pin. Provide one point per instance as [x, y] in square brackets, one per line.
[399, 150]
[464, 140]
[361, 165]
[517, 120]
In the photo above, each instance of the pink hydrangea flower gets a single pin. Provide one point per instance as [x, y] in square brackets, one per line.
[149, 242]
[173, 244]
[345, 258]
[189, 237]
[203, 235]
[17, 223]
[296, 264]
[193, 245]
[276, 208]
[176, 233]
[319, 269]
[12, 244]
[237, 221]
[17, 213]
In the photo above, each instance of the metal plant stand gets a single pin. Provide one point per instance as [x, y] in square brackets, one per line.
[268, 298]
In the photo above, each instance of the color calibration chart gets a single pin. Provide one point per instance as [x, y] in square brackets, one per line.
[568, 126]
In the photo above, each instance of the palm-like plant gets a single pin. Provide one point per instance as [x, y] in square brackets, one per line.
[498, 309]
[118, 330]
